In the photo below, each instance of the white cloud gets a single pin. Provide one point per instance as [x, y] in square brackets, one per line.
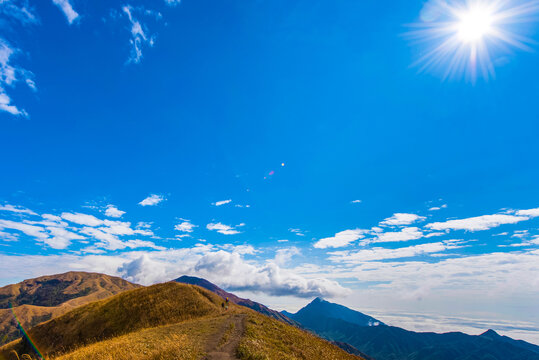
[9, 76]
[298, 232]
[433, 234]
[61, 238]
[436, 208]
[20, 11]
[5, 236]
[406, 234]
[138, 36]
[82, 219]
[477, 223]
[152, 200]
[402, 219]
[185, 226]
[354, 257]
[134, 244]
[283, 256]
[16, 209]
[227, 269]
[113, 211]
[340, 239]
[31, 230]
[222, 202]
[356, 201]
[143, 270]
[234, 273]
[67, 9]
[223, 229]
[108, 241]
[530, 212]
[172, 2]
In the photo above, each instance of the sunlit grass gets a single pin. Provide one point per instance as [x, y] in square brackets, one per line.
[268, 339]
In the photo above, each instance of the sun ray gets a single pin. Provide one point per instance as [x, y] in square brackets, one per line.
[464, 36]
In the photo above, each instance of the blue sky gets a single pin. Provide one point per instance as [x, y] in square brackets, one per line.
[282, 149]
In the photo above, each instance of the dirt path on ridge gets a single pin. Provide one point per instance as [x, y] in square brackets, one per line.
[223, 344]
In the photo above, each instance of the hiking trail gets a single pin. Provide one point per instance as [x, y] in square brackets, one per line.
[222, 345]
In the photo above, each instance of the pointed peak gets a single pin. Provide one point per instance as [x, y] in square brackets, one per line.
[317, 300]
[490, 332]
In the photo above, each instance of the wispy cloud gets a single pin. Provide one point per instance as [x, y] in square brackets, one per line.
[223, 229]
[406, 234]
[355, 201]
[16, 209]
[139, 36]
[298, 232]
[436, 208]
[152, 200]
[9, 75]
[67, 9]
[477, 223]
[222, 202]
[402, 219]
[340, 239]
[283, 256]
[172, 2]
[378, 253]
[82, 219]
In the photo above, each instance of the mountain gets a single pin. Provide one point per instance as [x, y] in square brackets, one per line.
[235, 299]
[384, 342]
[169, 321]
[335, 311]
[37, 300]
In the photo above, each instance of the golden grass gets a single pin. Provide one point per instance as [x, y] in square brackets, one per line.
[129, 311]
[102, 287]
[169, 321]
[163, 343]
[269, 339]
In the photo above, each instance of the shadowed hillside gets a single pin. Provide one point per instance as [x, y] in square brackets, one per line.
[37, 300]
[171, 321]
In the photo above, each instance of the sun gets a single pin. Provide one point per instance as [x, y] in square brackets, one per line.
[464, 36]
[475, 23]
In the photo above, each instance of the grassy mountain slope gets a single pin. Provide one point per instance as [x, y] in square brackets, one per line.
[40, 299]
[171, 321]
[393, 343]
[235, 299]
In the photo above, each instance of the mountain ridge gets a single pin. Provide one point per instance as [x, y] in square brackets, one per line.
[263, 309]
[46, 297]
[170, 321]
[385, 342]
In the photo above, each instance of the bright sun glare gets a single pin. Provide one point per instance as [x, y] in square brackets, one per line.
[475, 23]
[465, 35]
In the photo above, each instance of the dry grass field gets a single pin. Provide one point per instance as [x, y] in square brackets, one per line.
[170, 321]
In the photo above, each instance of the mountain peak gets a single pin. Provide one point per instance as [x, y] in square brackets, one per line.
[320, 307]
[490, 333]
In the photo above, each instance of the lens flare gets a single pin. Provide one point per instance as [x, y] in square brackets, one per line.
[25, 334]
[463, 37]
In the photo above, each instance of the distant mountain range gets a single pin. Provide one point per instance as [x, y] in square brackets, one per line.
[92, 314]
[235, 299]
[369, 336]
